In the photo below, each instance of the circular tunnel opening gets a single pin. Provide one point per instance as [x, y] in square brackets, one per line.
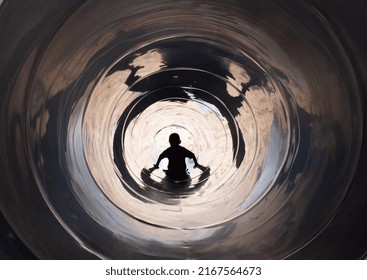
[262, 95]
[202, 98]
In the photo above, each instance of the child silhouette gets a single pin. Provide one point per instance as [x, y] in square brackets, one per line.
[176, 156]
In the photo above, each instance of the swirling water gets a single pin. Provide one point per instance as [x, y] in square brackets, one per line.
[261, 93]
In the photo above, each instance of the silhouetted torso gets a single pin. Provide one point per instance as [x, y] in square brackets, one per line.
[176, 156]
[176, 161]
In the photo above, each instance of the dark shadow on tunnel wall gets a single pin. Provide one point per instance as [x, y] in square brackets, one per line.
[349, 20]
[11, 247]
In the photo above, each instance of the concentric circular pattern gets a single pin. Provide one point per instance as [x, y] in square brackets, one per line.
[265, 99]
